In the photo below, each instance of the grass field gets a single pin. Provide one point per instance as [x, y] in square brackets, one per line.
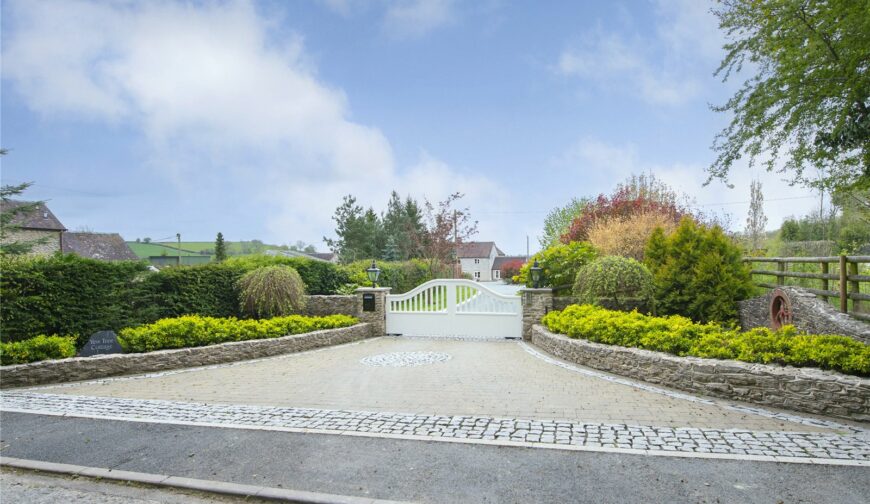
[194, 248]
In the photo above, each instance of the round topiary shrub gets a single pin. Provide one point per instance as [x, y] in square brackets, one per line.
[617, 283]
[272, 291]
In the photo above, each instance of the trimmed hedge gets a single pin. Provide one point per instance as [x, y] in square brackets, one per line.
[36, 349]
[680, 336]
[66, 294]
[400, 276]
[193, 331]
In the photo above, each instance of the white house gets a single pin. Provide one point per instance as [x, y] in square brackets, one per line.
[476, 259]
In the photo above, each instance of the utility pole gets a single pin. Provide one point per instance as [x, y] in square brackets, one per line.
[178, 236]
[527, 248]
[455, 246]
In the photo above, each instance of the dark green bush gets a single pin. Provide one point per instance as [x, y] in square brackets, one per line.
[320, 277]
[193, 331]
[680, 336]
[559, 263]
[208, 289]
[620, 281]
[36, 349]
[698, 273]
[271, 291]
[67, 294]
[400, 276]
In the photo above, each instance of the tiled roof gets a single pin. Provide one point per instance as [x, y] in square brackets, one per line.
[476, 249]
[40, 218]
[500, 260]
[103, 246]
[326, 256]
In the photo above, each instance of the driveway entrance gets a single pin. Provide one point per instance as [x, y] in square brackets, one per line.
[455, 309]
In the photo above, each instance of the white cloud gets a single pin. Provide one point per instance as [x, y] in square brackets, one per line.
[415, 18]
[667, 69]
[230, 112]
[604, 165]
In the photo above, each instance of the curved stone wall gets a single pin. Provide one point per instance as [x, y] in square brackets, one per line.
[809, 314]
[101, 366]
[800, 389]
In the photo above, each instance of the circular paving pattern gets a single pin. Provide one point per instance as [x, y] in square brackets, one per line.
[403, 359]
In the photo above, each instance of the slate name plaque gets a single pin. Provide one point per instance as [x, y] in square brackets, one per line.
[103, 342]
[368, 302]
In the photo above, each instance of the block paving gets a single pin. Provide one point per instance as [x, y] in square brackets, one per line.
[735, 442]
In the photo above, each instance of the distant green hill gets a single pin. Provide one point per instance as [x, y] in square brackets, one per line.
[197, 248]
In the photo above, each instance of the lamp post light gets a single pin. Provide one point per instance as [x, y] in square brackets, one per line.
[373, 273]
[535, 271]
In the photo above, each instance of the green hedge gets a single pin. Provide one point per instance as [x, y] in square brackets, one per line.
[680, 336]
[400, 276]
[36, 349]
[193, 331]
[67, 295]
[320, 277]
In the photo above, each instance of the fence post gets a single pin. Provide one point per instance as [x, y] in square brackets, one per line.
[780, 266]
[854, 286]
[825, 283]
[844, 295]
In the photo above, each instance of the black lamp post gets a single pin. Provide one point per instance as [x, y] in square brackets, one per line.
[535, 271]
[373, 272]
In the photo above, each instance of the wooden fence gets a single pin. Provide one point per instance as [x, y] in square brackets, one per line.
[841, 282]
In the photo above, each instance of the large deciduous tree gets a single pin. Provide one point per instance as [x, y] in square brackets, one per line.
[807, 104]
[448, 226]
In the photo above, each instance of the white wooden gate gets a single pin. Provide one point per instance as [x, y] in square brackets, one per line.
[455, 308]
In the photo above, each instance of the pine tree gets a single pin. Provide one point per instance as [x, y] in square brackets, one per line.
[220, 248]
[391, 250]
[756, 220]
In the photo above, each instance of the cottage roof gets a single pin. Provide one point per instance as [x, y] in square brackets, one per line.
[477, 249]
[40, 218]
[499, 261]
[103, 246]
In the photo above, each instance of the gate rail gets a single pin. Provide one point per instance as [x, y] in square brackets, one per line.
[842, 282]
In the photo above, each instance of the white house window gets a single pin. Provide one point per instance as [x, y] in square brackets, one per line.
[477, 275]
[477, 261]
[496, 274]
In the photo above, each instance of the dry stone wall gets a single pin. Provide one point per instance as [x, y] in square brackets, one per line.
[319, 306]
[809, 314]
[89, 368]
[800, 389]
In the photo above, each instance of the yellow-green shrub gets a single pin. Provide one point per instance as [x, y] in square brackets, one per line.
[193, 330]
[680, 336]
[36, 349]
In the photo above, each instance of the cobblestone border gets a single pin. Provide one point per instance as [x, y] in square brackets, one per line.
[620, 438]
[807, 390]
[101, 366]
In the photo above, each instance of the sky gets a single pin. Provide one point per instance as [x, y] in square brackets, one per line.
[255, 118]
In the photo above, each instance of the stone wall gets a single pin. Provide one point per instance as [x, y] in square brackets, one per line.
[89, 368]
[319, 306]
[48, 247]
[801, 389]
[809, 314]
[376, 319]
[536, 304]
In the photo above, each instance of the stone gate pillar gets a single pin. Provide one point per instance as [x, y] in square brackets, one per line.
[372, 308]
[536, 304]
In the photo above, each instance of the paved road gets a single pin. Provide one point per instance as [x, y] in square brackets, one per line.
[420, 471]
[36, 488]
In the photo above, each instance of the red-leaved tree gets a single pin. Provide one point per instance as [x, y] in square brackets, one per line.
[639, 195]
[510, 269]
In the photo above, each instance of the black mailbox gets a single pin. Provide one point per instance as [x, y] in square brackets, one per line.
[368, 302]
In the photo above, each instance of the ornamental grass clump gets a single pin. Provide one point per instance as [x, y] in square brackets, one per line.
[619, 282]
[680, 336]
[271, 291]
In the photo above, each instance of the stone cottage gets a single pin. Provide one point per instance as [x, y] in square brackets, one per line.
[38, 226]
